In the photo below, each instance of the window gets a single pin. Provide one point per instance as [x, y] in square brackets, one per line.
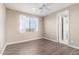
[28, 23]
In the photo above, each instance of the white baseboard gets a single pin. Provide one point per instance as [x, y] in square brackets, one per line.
[24, 41]
[50, 39]
[33, 39]
[2, 51]
[76, 47]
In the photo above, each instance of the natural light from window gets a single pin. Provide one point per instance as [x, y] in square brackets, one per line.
[28, 23]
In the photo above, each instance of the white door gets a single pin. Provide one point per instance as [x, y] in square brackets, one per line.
[63, 27]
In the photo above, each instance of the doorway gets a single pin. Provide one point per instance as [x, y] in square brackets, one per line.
[63, 27]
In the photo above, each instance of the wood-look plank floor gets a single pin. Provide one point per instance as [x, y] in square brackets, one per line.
[40, 47]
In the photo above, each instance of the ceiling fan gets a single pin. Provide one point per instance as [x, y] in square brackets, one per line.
[43, 7]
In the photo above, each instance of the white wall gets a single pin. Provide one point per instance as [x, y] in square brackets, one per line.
[12, 26]
[50, 27]
[74, 25]
[2, 26]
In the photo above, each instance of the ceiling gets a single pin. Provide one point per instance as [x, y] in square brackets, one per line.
[33, 8]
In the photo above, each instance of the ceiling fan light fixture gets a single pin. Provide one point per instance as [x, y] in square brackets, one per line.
[34, 9]
[42, 8]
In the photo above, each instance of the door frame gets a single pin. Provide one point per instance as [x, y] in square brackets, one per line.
[57, 27]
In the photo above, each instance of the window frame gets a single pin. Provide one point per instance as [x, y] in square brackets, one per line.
[36, 19]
